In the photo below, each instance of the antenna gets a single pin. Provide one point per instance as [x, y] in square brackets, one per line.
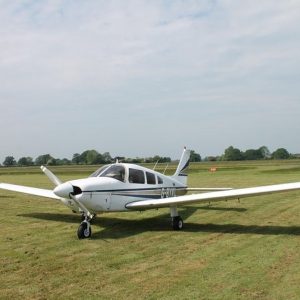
[166, 168]
[119, 159]
[155, 165]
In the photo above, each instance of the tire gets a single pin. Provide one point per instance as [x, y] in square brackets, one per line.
[83, 232]
[177, 223]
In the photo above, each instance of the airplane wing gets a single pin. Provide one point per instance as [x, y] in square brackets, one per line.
[213, 196]
[207, 189]
[29, 190]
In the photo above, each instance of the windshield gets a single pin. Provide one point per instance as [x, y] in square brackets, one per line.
[99, 171]
[114, 171]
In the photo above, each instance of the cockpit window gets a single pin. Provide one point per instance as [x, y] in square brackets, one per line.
[136, 176]
[159, 180]
[114, 171]
[150, 178]
[99, 171]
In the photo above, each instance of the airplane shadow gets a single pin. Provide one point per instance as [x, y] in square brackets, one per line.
[3, 196]
[243, 229]
[116, 228]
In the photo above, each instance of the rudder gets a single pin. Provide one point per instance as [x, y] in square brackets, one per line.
[180, 174]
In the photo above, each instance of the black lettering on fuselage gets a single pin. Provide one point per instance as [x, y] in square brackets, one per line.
[168, 192]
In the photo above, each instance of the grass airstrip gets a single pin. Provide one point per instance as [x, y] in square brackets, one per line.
[227, 250]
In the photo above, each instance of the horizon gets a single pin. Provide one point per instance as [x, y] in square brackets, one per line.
[144, 157]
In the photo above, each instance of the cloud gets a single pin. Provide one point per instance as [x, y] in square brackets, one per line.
[73, 66]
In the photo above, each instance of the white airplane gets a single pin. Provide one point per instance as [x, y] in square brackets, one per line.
[127, 187]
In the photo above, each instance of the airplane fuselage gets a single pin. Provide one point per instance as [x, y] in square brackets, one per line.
[117, 185]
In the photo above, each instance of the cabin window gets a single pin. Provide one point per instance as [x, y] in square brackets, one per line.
[159, 180]
[99, 171]
[136, 176]
[150, 178]
[114, 171]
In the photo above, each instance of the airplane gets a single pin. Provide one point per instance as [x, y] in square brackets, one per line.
[126, 187]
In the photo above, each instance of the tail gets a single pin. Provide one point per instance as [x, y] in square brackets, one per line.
[180, 174]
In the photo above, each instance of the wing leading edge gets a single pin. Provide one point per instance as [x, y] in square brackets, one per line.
[207, 189]
[213, 196]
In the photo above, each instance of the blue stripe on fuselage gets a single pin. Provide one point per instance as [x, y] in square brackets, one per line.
[133, 190]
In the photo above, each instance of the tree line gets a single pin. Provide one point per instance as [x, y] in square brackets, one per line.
[235, 154]
[88, 157]
[93, 157]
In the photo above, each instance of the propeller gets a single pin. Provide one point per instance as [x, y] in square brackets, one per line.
[51, 176]
[67, 190]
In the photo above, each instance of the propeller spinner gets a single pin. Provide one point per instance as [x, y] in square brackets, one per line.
[66, 190]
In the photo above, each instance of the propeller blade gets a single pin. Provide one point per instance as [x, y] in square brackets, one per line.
[51, 176]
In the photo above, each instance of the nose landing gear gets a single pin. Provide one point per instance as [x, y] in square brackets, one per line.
[84, 230]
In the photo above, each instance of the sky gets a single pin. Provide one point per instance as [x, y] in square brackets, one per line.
[140, 78]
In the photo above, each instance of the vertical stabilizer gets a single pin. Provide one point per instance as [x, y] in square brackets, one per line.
[180, 173]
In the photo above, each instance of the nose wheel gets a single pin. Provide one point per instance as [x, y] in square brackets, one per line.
[84, 230]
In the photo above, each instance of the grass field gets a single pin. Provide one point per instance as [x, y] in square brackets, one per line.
[229, 250]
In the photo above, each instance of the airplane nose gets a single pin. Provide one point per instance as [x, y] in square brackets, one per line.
[64, 190]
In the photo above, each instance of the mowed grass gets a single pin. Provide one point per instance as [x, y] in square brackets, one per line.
[227, 250]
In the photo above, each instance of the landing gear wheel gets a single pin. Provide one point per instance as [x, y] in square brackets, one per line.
[177, 223]
[84, 230]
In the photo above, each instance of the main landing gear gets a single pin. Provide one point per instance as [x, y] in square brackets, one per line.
[85, 230]
[177, 222]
